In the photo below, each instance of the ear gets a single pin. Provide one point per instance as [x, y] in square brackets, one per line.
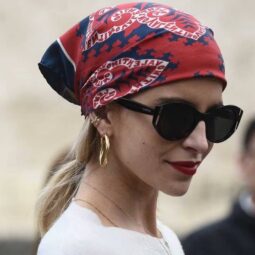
[102, 119]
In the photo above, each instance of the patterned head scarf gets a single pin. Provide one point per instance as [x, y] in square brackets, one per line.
[128, 48]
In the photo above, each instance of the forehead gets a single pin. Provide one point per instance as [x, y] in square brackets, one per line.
[202, 93]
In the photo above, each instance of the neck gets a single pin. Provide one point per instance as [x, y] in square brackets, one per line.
[121, 196]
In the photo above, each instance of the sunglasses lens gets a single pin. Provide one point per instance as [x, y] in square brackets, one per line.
[176, 121]
[221, 124]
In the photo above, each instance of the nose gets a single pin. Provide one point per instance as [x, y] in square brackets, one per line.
[197, 140]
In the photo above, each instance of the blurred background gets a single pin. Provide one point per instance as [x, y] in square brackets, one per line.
[36, 124]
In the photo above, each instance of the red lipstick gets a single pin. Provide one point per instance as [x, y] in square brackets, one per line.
[185, 167]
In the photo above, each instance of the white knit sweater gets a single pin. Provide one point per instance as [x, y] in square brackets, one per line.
[79, 231]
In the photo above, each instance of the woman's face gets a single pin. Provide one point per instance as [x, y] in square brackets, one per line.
[139, 152]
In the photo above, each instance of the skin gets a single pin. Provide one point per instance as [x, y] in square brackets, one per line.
[127, 188]
[247, 167]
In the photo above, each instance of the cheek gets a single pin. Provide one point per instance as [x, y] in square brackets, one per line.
[136, 146]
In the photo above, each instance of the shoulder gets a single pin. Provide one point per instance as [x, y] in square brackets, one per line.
[75, 232]
[207, 239]
[60, 241]
[215, 231]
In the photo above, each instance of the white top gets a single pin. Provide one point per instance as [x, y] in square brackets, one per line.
[79, 231]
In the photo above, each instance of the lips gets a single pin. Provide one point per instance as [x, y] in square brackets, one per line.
[185, 167]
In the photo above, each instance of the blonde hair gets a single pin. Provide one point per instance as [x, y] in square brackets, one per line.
[63, 184]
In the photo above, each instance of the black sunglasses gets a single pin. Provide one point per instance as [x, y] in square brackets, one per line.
[177, 120]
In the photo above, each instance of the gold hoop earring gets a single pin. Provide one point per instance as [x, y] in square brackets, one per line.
[104, 149]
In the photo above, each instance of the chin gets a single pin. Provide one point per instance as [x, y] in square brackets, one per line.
[176, 190]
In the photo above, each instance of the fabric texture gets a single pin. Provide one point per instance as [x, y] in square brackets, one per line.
[233, 235]
[79, 231]
[122, 50]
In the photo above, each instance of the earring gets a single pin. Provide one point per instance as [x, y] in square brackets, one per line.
[95, 121]
[104, 149]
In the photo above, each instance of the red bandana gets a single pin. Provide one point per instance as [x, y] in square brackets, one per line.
[121, 50]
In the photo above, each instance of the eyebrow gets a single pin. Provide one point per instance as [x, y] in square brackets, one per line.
[164, 100]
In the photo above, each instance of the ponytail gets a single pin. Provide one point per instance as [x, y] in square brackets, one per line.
[64, 183]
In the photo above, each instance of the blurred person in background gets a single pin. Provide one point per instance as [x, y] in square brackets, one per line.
[235, 234]
[149, 81]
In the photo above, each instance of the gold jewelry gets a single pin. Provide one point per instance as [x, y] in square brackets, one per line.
[111, 200]
[95, 121]
[163, 242]
[96, 209]
[116, 205]
[104, 149]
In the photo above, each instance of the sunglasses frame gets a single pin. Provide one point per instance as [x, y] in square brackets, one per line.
[156, 112]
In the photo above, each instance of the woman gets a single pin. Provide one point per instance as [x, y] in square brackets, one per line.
[150, 80]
